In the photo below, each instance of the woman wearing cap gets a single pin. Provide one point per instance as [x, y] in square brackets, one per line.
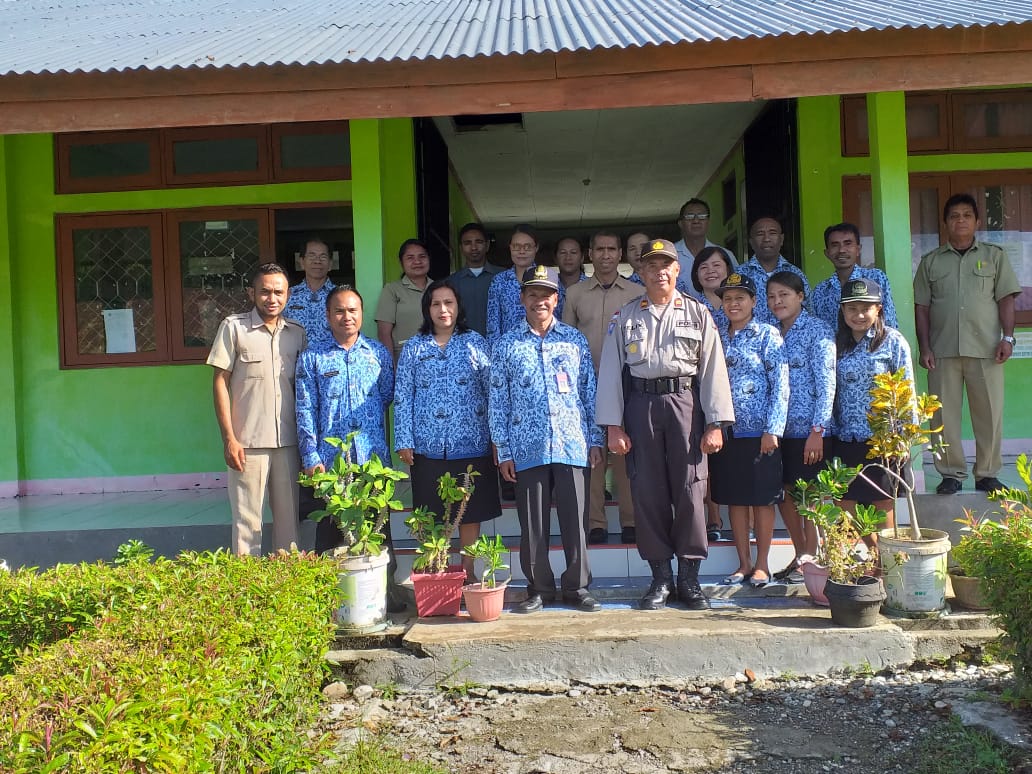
[866, 347]
[398, 314]
[810, 352]
[747, 471]
[440, 411]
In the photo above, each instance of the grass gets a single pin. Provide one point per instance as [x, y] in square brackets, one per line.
[375, 757]
[956, 749]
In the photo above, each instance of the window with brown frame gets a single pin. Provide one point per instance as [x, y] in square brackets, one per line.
[201, 156]
[149, 288]
[950, 122]
[1005, 209]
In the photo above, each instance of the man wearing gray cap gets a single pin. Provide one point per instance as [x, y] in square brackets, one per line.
[664, 397]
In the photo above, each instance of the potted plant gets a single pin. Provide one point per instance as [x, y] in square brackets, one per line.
[913, 562]
[853, 593]
[484, 600]
[359, 498]
[438, 586]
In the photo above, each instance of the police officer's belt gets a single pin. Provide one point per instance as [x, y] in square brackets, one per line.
[662, 386]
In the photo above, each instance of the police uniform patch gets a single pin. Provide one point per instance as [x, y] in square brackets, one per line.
[678, 302]
[632, 348]
[644, 304]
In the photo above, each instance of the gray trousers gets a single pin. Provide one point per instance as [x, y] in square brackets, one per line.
[534, 488]
[668, 474]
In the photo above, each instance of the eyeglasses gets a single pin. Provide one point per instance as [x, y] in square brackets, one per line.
[316, 256]
[522, 248]
[695, 216]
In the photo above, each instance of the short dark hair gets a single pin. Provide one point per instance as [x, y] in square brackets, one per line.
[526, 228]
[265, 269]
[789, 279]
[757, 219]
[569, 238]
[343, 289]
[605, 233]
[409, 243]
[693, 200]
[847, 227]
[956, 200]
[472, 227]
[316, 238]
[427, 328]
[704, 255]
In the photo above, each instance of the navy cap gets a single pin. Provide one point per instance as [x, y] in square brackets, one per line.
[736, 281]
[660, 248]
[861, 290]
[541, 277]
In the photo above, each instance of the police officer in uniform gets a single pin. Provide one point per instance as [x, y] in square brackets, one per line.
[664, 396]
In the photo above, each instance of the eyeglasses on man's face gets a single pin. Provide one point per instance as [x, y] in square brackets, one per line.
[690, 216]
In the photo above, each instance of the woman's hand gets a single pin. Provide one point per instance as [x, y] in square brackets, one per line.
[813, 451]
[406, 456]
[768, 443]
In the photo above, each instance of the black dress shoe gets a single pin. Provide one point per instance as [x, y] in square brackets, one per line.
[628, 536]
[989, 484]
[586, 603]
[949, 486]
[598, 537]
[531, 604]
[690, 595]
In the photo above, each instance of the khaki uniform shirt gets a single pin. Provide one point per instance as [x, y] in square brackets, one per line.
[962, 293]
[678, 339]
[401, 303]
[261, 386]
[589, 308]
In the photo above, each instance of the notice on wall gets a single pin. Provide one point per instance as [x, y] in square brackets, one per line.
[119, 331]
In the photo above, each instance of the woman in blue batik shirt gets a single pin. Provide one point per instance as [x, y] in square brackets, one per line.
[810, 353]
[440, 411]
[747, 471]
[866, 346]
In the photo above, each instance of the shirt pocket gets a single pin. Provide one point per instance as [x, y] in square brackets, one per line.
[251, 363]
[985, 278]
[634, 347]
[687, 344]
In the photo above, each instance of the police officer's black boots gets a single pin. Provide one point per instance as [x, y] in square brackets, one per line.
[688, 589]
[662, 586]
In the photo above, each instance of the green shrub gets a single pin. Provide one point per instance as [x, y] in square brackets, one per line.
[207, 663]
[1000, 553]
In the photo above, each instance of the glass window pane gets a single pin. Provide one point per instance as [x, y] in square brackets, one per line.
[306, 151]
[922, 120]
[198, 157]
[1006, 211]
[114, 294]
[216, 258]
[998, 119]
[111, 159]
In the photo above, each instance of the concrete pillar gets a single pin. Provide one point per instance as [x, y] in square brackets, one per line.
[10, 426]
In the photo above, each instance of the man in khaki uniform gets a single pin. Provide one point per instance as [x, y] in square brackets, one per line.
[254, 356]
[590, 305]
[964, 311]
[664, 396]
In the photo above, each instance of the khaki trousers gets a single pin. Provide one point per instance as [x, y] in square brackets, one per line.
[983, 378]
[597, 493]
[275, 471]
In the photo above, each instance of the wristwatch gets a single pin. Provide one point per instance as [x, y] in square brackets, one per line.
[1009, 339]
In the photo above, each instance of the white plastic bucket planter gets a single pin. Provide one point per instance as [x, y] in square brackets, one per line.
[915, 586]
[363, 584]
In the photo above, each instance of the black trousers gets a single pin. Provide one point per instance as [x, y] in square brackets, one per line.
[534, 489]
[668, 473]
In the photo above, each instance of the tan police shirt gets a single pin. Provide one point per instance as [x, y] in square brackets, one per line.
[589, 308]
[653, 341]
[401, 303]
[261, 384]
[962, 293]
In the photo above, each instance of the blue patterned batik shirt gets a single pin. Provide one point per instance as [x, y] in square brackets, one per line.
[308, 307]
[755, 271]
[756, 365]
[343, 390]
[855, 377]
[441, 395]
[542, 406]
[810, 352]
[827, 296]
[505, 310]
[719, 318]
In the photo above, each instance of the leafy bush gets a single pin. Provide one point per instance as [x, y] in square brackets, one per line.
[207, 663]
[1000, 553]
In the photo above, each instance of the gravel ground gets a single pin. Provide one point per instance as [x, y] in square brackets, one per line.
[874, 724]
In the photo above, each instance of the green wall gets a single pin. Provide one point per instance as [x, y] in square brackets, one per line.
[145, 420]
[821, 169]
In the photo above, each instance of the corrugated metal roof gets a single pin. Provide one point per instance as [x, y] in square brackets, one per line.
[99, 35]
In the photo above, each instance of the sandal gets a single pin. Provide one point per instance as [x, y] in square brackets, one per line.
[734, 579]
[791, 568]
[758, 583]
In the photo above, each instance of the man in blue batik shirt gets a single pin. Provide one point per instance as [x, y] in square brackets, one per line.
[542, 418]
[766, 239]
[307, 302]
[842, 247]
[343, 385]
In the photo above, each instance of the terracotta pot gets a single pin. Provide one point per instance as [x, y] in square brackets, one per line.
[484, 604]
[855, 605]
[968, 593]
[438, 593]
[814, 578]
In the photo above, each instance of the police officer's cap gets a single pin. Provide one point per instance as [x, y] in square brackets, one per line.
[660, 248]
[541, 277]
[861, 290]
[736, 281]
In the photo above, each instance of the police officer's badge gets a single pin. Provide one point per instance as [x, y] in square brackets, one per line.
[540, 272]
[857, 288]
[734, 280]
[657, 245]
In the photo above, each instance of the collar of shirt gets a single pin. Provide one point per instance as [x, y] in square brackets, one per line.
[619, 282]
[411, 285]
[781, 265]
[256, 320]
[526, 330]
